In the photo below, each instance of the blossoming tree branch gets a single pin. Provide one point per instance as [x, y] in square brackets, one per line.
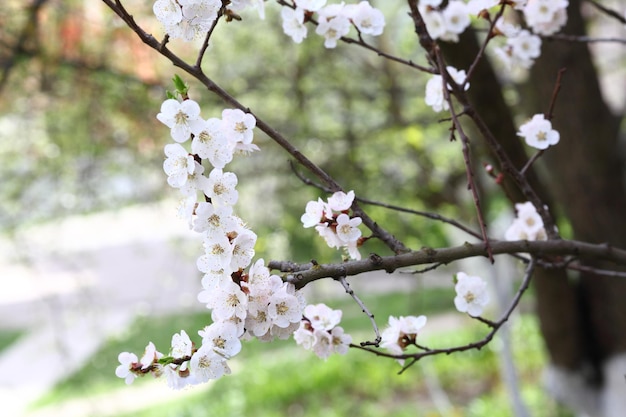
[250, 298]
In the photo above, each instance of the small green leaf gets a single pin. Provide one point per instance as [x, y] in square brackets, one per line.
[180, 85]
[169, 94]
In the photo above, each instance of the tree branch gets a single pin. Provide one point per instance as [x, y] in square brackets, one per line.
[364, 309]
[301, 275]
[392, 243]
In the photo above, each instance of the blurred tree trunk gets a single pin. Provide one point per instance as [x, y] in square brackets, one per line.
[586, 177]
[583, 319]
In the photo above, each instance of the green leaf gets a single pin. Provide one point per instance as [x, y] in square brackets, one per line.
[180, 85]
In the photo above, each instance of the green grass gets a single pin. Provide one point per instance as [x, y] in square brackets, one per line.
[8, 337]
[279, 378]
[97, 376]
[290, 382]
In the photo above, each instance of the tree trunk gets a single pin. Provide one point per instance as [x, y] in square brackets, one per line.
[583, 319]
[585, 176]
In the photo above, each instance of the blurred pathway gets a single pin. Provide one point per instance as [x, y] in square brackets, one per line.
[73, 284]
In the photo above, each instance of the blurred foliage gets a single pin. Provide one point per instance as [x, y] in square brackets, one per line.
[76, 132]
[268, 379]
[89, 139]
[8, 337]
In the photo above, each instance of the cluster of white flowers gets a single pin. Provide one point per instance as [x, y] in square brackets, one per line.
[445, 23]
[186, 19]
[319, 331]
[538, 132]
[333, 21]
[435, 96]
[546, 17]
[527, 225]
[401, 333]
[244, 305]
[332, 222]
[520, 47]
[471, 294]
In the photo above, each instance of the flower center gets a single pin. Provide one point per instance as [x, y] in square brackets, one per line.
[541, 136]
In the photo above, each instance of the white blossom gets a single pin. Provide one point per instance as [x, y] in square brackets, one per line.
[347, 228]
[238, 126]
[177, 378]
[150, 356]
[178, 165]
[340, 340]
[206, 364]
[218, 254]
[232, 302]
[435, 97]
[223, 337]
[195, 181]
[400, 332]
[434, 22]
[323, 345]
[221, 188]
[293, 23]
[471, 294]
[520, 50]
[168, 12]
[341, 201]
[368, 20]
[322, 317]
[538, 132]
[310, 5]
[284, 309]
[304, 335]
[185, 209]
[181, 118]
[127, 361]
[528, 224]
[455, 19]
[545, 17]
[313, 213]
[332, 25]
[474, 7]
[243, 250]
[214, 220]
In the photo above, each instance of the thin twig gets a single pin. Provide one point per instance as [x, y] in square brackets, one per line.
[429, 215]
[549, 116]
[597, 271]
[531, 161]
[205, 44]
[423, 270]
[471, 183]
[555, 93]
[506, 165]
[483, 47]
[582, 39]
[612, 13]
[495, 326]
[350, 291]
[437, 59]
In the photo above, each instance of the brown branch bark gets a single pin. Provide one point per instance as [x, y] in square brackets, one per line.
[301, 275]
